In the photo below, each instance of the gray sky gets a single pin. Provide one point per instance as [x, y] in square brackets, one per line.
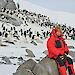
[58, 5]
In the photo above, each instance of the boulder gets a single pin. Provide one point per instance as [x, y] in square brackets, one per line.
[2, 3]
[39, 70]
[46, 66]
[6, 59]
[30, 53]
[24, 72]
[11, 5]
[72, 53]
[29, 64]
[49, 65]
[10, 0]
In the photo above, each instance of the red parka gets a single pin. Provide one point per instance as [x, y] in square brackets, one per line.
[56, 46]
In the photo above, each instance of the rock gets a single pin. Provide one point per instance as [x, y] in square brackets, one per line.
[30, 53]
[49, 65]
[34, 43]
[7, 4]
[46, 52]
[10, 0]
[2, 3]
[72, 53]
[20, 59]
[39, 41]
[14, 21]
[39, 70]
[6, 59]
[24, 72]
[46, 66]
[11, 5]
[12, 57]
[29, 64]
[10, 19]
[3, 45]
[71, 47]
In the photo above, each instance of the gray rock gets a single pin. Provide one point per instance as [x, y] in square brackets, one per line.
[49, 65]
[10, 0]
[12, 20]
[29, 64]
[11, 5]
[46, 52]
[39, 70]
[6, 59]
[2, 3]
[20, 59]
[72, 53]
[34, 43]
[30, 53]
[73, 59]
[71, 47]
[24, 72]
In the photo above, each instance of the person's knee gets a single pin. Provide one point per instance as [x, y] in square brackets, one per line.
[69, 60]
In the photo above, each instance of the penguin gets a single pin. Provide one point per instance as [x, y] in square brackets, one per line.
[4, 28]
[3, 17]
[6, 35]
[25, 34]
[14, 28]
[30, 34]
[33, 37]
[38, 34]
[11, 13]
[0, 33]
[7, 12]
[11, 28]
[29, 29]
[22, 18]
[3, 9]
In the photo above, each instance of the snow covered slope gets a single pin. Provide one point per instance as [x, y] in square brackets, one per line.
[55, 16]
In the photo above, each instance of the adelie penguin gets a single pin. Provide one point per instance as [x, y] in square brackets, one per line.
[25, 34]
[3, 9]
[0, 33]
[3, 28]
[30, 34]
[33, 37]
[6, 35]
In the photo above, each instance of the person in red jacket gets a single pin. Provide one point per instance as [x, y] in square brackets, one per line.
[58, 50]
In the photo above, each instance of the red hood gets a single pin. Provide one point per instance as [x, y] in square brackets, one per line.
[54, 33]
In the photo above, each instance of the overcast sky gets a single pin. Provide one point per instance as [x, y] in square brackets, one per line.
[58, 5]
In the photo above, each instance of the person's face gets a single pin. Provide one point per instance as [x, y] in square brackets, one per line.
[58, 33]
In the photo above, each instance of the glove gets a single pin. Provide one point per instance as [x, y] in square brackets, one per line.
[61, 57]
[66, 53]
[65, 58]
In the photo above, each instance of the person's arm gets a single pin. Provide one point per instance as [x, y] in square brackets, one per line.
[66, 52]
